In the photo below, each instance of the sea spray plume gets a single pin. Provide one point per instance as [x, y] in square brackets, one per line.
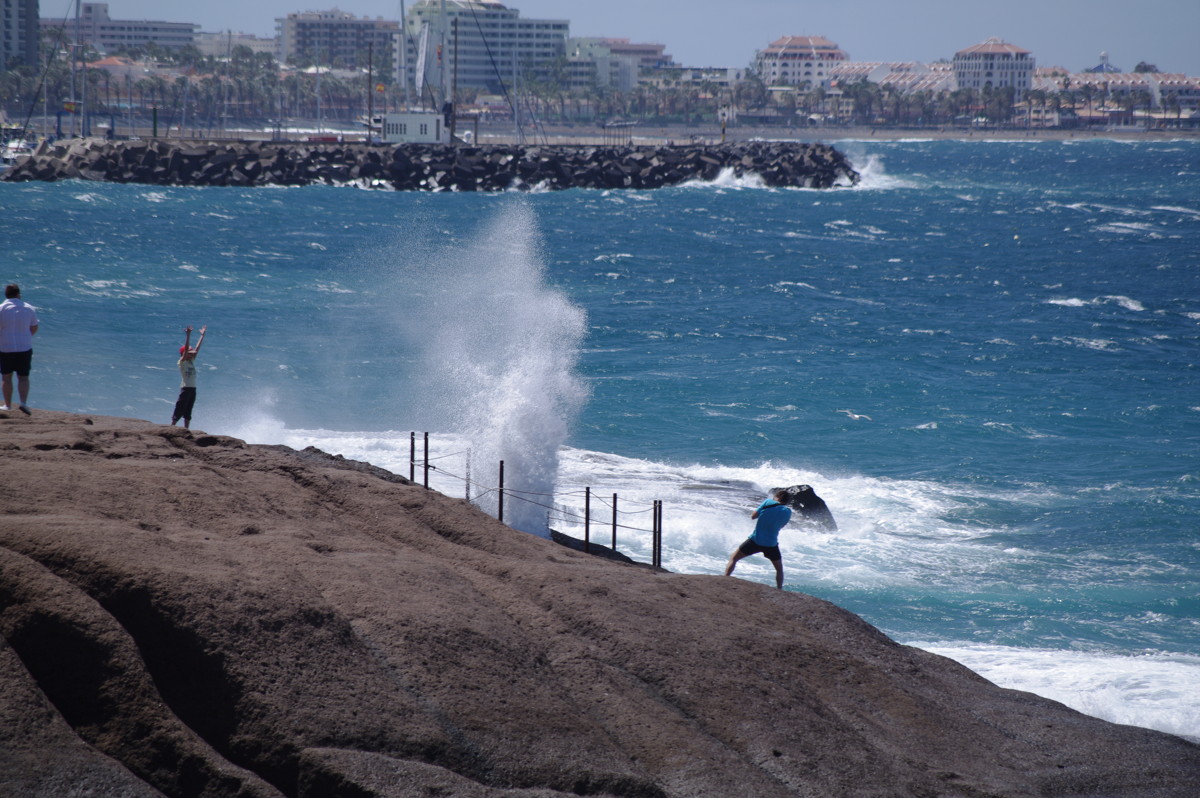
[503, 347]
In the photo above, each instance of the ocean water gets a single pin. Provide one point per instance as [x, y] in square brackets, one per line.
[984, 358]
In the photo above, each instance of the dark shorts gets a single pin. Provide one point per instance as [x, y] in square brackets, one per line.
[749, 547]
[16, 361]
[185, 403]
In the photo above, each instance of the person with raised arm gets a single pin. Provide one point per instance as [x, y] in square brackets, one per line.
[187, 378]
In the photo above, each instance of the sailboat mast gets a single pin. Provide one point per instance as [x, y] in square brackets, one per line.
[442, 52]
[404, 55]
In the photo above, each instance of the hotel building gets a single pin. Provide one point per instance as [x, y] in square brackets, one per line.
[798, 61]
[996, 64]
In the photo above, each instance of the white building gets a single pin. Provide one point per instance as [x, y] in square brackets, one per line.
[222, 44]
[908, 77]
[331, 38]
[994, 64]
[590, 62]
[107, 34]
[414, 127]
[479, 44]
[798, 61]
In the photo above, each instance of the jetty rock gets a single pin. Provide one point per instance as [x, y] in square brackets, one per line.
[185, 614]
[426, 167]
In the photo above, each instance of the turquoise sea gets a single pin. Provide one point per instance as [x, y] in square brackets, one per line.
[985, 358]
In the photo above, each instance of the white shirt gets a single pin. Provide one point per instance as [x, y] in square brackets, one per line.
[187, 373]
[16, 317]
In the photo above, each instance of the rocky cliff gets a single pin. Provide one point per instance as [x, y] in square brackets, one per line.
[184, 614]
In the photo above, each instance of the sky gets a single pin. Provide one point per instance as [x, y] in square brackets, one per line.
[726, 33]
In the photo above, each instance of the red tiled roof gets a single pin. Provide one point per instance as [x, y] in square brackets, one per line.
[993, 46]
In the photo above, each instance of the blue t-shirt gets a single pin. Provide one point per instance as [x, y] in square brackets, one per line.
[772, 516]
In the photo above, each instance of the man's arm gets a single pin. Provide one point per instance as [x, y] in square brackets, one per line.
[200, 340]
[187, 338]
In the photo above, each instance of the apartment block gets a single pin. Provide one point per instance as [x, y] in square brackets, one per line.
[332, 38]
[19, 33]
[105, 34]
[223, 43]
[611, 63]
[478, 44]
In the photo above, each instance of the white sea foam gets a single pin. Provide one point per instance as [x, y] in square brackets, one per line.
[893, 533]
[1075, 302]
[1154, 690]
[1176, 209]
[501, 348]
[728, 178]
[115, 289]
[1129, 228]
[1097, 344]
[872, 174]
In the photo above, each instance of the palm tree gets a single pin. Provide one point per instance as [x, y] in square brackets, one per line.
[1088, 92]
[815, 99]
[1171, 103]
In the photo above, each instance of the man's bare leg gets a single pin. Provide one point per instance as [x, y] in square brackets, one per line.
[733, 561]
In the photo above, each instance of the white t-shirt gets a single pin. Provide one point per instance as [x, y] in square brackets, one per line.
[187, 373]
[16, 317]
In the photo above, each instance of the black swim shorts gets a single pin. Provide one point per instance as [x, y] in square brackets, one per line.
[749, 547]
[184, 405]
[16, 361]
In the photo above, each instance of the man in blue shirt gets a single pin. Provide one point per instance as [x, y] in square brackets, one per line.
[772, 515]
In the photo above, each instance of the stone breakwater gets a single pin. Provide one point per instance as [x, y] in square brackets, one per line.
[412, 167]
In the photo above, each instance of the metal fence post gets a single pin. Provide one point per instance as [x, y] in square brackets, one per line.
[500, 514]
[660, 531]
[587, 520]
[426, 461]
[614, 541]
[412, 457]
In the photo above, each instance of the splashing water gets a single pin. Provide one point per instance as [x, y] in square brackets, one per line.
[504, 347]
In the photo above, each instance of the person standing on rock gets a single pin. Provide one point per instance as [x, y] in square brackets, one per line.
[772, 515]
[187, 378]
[18, 324]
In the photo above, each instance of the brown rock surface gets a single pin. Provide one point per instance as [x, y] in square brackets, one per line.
[183, 614]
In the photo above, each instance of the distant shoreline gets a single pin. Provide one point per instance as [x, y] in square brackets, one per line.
[654, 135]
[1033, 134]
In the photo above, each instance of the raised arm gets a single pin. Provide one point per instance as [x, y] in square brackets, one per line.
[187, 338]
[200, 340]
